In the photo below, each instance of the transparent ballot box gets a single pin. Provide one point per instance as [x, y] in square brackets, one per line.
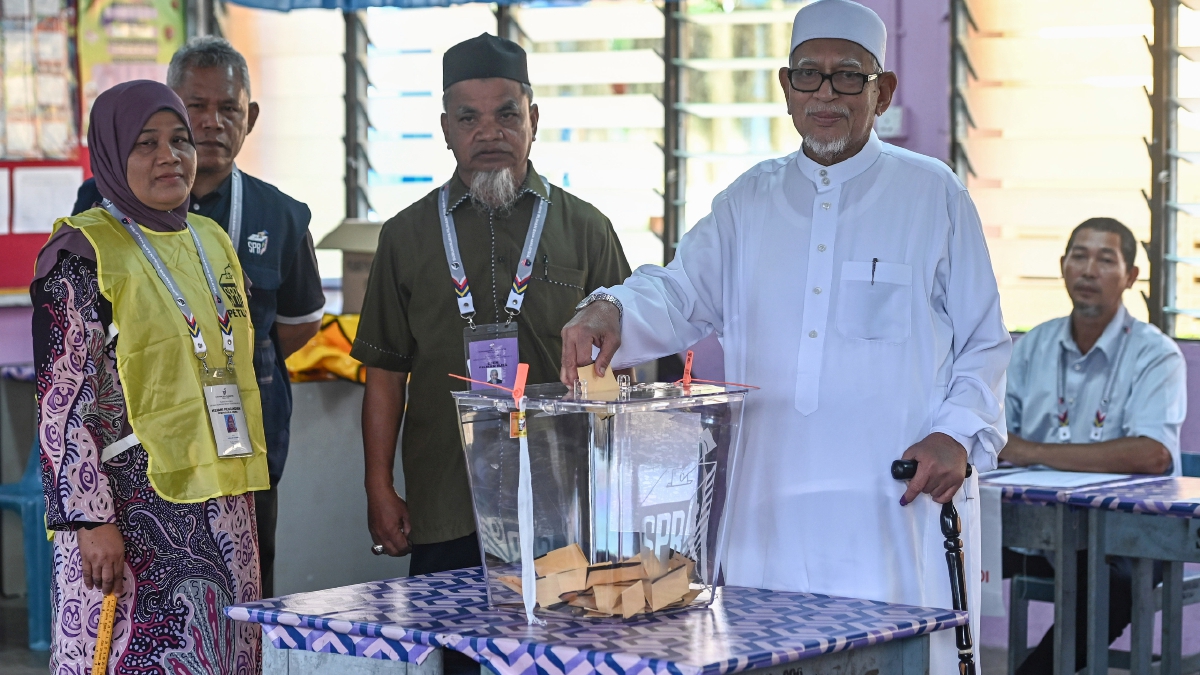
[628, 492]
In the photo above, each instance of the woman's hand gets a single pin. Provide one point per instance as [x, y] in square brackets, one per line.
[102, 551]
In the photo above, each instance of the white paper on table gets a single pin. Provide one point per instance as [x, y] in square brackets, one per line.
[992, 558]
[42, 195]
[4, 201]
[1054, 479]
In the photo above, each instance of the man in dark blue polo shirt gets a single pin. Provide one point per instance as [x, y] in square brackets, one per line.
[270, 232]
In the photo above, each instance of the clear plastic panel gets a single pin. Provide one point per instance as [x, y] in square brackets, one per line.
[644, 476]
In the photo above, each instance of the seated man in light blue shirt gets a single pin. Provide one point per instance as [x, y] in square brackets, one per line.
[1095, 391]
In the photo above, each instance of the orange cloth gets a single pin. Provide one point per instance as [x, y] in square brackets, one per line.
[327, 355]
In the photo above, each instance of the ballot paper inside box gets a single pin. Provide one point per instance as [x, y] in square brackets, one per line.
[628, 488]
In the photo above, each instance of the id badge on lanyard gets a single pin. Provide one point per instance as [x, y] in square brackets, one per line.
[491, 350]
[225, 413]
[492, 354]
[1096, 433]
[221, 395]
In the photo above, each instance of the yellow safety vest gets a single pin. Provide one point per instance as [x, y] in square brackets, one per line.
[160, 374]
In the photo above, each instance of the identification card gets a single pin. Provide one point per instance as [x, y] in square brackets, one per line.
[225, 413]
[1064, 434]
[492, 356]
[1097, 434]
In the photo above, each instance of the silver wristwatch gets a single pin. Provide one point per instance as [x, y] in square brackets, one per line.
[607, 297]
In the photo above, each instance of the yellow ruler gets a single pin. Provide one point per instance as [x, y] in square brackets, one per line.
[108, 614]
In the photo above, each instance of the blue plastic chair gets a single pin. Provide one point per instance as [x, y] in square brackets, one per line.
[25, 497]
[1191, 464]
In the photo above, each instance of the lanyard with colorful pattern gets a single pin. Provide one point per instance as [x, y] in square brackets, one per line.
[1064, 416]
[235, 209]
[458, 272]
[198, 345]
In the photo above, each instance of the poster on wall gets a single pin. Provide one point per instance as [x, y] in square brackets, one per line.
[122, 40]
[37, 118]
[41, 195]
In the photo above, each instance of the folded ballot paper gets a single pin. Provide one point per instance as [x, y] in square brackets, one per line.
[641, 584]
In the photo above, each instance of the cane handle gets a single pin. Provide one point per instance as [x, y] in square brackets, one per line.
[906, 469]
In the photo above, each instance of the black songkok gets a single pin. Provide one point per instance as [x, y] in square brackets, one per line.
[482, 57]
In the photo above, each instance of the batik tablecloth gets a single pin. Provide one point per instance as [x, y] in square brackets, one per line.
[405, 619]
[1137, 494]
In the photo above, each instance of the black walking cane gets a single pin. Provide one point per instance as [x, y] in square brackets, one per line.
[905, 469]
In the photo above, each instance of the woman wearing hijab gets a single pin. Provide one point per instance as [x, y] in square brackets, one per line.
[139, 314]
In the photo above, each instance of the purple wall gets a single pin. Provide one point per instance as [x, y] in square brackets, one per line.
[918, 51]
[16, 341]
[1189, 435]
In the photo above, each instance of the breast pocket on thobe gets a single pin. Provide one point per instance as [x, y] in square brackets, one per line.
[875, 301]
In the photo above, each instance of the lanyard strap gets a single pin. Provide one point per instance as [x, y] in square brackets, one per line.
[235, 210]
[1105, 395]
[198, 346]
[458, 272]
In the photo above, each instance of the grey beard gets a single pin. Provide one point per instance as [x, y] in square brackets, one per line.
[495, 190]
[827, 149]
[1087, 311]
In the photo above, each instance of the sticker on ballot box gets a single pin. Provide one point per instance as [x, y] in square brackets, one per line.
[516, 425]
[226, 415]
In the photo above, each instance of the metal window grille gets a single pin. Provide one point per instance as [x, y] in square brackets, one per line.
[358, 124]
[1165, 154]
[960, 70]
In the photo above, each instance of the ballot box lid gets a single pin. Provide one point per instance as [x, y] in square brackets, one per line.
[555, 398]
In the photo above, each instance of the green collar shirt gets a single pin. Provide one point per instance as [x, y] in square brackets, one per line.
[410, 321]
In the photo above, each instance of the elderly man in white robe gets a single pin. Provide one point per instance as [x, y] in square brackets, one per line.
[851, 281]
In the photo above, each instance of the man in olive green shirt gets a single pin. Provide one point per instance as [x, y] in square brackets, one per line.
[411, 327]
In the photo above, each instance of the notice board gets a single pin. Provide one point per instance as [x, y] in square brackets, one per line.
[57, 57]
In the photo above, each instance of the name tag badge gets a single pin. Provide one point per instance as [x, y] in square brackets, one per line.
[226, 415]
[1097, 433]
[492, 355]
[1064, 434]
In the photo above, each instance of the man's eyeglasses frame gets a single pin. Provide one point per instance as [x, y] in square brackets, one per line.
[864, 78]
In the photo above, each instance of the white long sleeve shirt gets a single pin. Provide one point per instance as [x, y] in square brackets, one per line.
[860, 298]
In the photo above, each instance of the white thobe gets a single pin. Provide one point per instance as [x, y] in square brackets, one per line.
[860, 298]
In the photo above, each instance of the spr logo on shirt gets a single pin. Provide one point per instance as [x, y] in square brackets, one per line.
[257, 243]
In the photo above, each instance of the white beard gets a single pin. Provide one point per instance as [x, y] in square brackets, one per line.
[826, 150]
[495, 190]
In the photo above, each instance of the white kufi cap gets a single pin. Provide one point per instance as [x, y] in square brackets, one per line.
[844, 20]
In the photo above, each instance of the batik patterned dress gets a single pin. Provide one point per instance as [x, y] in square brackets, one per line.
[183, 562]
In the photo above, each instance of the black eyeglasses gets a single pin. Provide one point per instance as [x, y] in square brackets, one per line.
[846, 82]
